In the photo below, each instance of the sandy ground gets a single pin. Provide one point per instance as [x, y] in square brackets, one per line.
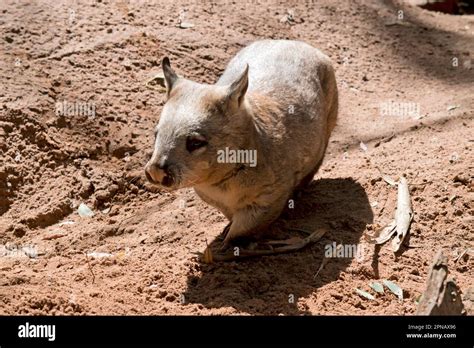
[102, 52]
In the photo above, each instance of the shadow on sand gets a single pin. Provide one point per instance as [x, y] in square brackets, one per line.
[264, 285]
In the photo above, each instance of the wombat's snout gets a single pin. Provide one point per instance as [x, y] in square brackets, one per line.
[159, 173]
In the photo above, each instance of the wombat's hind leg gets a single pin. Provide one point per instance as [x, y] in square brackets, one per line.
[252, 221]
[307, 180]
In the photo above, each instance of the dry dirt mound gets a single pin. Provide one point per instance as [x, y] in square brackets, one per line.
[76, 126]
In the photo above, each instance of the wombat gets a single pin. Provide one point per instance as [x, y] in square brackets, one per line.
[250, 140]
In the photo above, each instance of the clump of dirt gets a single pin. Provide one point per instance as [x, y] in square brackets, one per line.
[76, 127]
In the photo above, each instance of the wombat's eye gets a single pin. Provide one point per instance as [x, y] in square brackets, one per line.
[195, 142]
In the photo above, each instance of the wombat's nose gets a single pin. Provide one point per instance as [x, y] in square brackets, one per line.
[153, 173]
[148, 176]
[156, 173]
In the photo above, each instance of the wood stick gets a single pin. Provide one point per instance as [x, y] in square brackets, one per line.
[442, 296]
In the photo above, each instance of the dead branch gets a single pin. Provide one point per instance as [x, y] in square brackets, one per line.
[442, 296]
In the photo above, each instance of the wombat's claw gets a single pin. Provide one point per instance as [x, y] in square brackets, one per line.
[225, 245]
[225, 231]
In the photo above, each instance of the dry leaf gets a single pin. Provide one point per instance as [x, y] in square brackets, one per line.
[323, 263]
[98, 255]
[339, 247]
[386, 233]
[386, 178]
[394, 288]
[377, 287]
[403, 215]
[207, 256]
[365, 294]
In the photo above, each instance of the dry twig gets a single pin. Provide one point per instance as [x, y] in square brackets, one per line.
[289, 245]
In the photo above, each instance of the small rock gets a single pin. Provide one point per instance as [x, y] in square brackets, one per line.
[35, 109]
[109, 231]
[102, 195]
[85, 211]
[375, 180]
[461, 178]
[185, 25]
[30, 252]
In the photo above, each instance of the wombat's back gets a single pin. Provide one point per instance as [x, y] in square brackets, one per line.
[277, 65]
[300, 81]
[294, 74]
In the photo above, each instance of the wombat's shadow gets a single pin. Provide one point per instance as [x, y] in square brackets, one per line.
[267, 285]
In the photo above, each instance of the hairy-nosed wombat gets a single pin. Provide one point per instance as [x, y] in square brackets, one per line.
[248, 141]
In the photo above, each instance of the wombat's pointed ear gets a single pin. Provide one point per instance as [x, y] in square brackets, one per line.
[170, 76]
[238, 88]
